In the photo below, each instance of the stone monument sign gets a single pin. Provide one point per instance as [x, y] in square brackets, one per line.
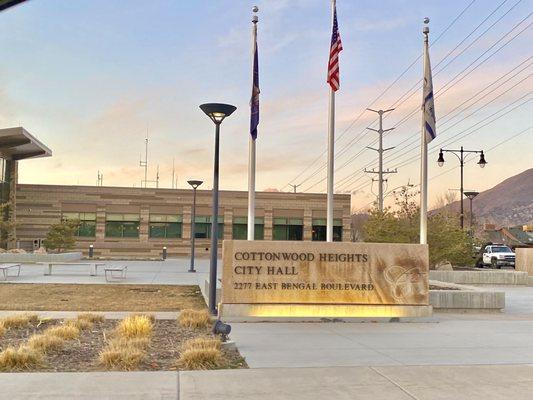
[318, 279]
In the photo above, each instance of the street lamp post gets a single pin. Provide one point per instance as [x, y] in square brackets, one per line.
[194, 185]
[216, 112]
[460, 154]
[471, 196]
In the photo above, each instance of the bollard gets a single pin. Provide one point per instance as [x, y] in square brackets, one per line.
[164, 253]
[91, 250]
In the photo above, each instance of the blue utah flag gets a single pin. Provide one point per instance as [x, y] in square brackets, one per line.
[254, 102]
[428, 105]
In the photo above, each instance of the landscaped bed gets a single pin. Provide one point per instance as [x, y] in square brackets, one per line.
[72, 297]
[137, 343]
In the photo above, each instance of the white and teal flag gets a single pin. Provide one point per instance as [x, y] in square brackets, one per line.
[428, 105]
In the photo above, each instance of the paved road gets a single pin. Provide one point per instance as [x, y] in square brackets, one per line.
[348, 383]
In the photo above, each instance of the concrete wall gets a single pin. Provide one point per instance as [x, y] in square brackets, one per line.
[29, 258]
[481, 277]
[39, 206]
[524, 260]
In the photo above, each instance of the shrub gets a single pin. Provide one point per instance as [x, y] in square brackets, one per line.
[19, 320]
[61, 236]
[200, 353]
[66, 332]
[45, 342]
[93, 318]
[135, 326]
[196, 319]
[194, 359]
[121, 357]
[21, 358]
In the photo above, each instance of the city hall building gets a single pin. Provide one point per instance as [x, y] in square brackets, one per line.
[139, 222]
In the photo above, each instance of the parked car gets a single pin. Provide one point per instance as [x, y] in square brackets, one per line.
[498, 255]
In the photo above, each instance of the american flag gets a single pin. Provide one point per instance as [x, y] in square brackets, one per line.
[334, 50]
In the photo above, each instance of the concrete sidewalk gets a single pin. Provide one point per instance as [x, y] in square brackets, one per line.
[376, 383]
[445, 342]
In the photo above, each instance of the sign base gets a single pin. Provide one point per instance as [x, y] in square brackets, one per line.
[310, 312]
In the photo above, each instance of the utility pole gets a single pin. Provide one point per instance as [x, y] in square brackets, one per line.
[294, 187]
[100, 179]
[173, 173]
[157, 177]
[145, 162]
[380, 151]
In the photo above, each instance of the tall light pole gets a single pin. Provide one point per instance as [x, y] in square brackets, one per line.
[216, 112]
[471, 196]
[194, 184]
[460, 154]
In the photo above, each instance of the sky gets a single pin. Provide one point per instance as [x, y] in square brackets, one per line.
[91, 79]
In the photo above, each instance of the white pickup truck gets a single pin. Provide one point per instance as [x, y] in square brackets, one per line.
[498, 255]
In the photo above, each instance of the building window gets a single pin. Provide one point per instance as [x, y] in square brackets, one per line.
[87, 222]
[288, 229]
[165, 226]
[240, 228]
[122, 225]
[320, 230]
[202, 227]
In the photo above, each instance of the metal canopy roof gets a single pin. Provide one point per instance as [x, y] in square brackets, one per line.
[18, 144]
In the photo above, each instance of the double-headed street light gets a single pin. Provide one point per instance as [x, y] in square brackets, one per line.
[194, 184]
[460, 154]
[217, 112]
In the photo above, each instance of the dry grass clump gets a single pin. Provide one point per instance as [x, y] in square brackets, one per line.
[200, 353]
[19, 320]
[196, 319]
[80, 324]
[90, 317]
[44, 342]
[120, 356]
[2, 329]
[66, 332]
[135, 326]
[19, 359]
[130, 342]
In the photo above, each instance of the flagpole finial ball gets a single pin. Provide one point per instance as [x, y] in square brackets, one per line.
[255, 9]
[426, 20]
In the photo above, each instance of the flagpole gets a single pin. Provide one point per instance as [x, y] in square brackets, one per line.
[251, 146]
[423, 159]
[331, 152]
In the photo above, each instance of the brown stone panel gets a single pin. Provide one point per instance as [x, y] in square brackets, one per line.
[257, 272]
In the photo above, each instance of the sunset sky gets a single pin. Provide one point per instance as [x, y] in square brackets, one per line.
[90, 78]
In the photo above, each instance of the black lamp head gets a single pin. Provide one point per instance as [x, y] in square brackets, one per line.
[471, 195]
[217, 111]
[440, 160]
[195, 183]
[482, 161]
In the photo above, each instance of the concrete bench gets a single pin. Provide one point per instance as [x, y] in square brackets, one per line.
[6, 267]
[93, 267]
[121, 269]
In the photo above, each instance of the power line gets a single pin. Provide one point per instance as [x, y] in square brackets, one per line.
[416, 109]
[383, 92]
